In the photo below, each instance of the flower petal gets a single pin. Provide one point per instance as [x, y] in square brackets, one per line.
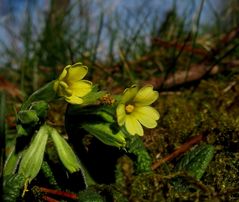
[146, 96]
[81, 88]
[120, 113]
[129, 94]
[147, 116]
[133, 126]
[56, 85]
[63, 89]
[74, 100]
[76, 72]
[63, 73]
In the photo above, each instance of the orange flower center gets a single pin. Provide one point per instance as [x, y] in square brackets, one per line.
[129, 108]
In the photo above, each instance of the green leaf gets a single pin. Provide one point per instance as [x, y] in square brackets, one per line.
[12, 186]
[46, 170]
[105, 133]
[93, 96]
[107, 113]
[196, 161]
[32, 158]
[12, 162]
[136, 146]
[21, 131]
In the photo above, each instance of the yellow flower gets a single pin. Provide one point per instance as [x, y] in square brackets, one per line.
[134, 110]
[70, 84]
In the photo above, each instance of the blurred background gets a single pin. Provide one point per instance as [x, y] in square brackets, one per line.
[121, 41]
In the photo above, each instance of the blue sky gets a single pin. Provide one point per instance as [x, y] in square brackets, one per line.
[185, 8]
[190, 6]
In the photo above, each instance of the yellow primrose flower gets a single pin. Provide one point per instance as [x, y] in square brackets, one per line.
[70, 84]
[134, 110]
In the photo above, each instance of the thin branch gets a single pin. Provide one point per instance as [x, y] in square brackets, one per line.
[59, 193]
[182, 149]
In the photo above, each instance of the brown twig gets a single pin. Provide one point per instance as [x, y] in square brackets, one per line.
[58, 192]
[182, 149]
[49, 199]
[194, 73]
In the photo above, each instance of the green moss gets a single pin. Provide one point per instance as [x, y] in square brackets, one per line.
[146, 187]
[223, 173]
[211, 110]
[178, 117]
[124, 171]
[90, 195]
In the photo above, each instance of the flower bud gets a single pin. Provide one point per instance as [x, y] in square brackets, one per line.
[27, 117]
[65, 153]
[32, 158]
[40, 107]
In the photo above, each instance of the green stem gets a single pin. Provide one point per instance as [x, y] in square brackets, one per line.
[49, 175]
[88, 180]
[2, 130]
[44, 93]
